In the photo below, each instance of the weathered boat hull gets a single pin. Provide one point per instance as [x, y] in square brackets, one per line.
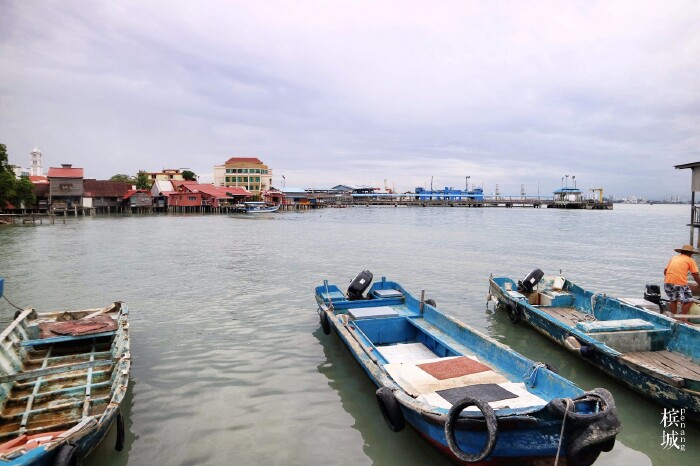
[662, 389]
[525, 436]
[63, 377]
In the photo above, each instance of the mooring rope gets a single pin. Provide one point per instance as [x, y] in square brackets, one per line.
[531, 373]
[561, 434]
[16, 307]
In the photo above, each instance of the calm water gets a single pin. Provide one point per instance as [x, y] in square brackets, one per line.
[229, 363]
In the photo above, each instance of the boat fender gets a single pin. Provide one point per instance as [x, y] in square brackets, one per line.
[325, 324]
[551, 367]
[67, 455]
[512, 311]
[491, 429]
[119, 445]
[591, 433]
[17, 313]
[586, 351]
[431, 302]
[390, 408]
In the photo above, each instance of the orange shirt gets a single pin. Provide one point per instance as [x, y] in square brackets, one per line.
[678, 268]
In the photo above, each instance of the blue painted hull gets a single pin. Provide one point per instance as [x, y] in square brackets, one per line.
[525, 435]
[667, 334]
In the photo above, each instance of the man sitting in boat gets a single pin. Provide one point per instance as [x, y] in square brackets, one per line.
[676, 279]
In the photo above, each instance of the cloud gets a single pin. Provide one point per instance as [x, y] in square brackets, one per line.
[357, 91]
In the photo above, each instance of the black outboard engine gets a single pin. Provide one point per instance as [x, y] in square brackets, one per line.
[359, 284]
[653, 294]
[529, 282]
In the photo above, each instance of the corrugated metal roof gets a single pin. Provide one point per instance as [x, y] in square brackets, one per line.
[65, 172]
[38, 179]
[217, 192]
[105, 188]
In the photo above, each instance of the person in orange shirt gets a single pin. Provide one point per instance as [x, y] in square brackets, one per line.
[676, 279]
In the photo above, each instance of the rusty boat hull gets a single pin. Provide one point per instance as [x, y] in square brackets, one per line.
[63, 376]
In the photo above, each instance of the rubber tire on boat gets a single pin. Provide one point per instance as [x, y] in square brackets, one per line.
[119, 445]
[390, 408]
[512, 311]
[551, 367]
[324, 323]
[431, 302]
[68, 455]
[491, 428]
[17, 314]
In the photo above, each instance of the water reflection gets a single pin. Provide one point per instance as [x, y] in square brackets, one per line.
[357, 396]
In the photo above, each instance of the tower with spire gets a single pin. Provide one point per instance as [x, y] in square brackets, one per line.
[36, 168]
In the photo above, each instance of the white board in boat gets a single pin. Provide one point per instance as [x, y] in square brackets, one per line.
[372, 312]
[641, 302]
[388, 293]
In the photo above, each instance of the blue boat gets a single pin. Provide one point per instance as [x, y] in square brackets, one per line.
[63, 376]
[471, 397]
[655, 355]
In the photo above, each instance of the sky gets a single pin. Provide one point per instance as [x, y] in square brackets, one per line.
[510, 93]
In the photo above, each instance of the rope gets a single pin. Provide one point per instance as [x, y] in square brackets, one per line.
[561, 434]
[16, 307]
[531, 374]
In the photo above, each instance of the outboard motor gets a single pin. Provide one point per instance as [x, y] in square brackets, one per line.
[653, 294]
[359, 284]
[529, 282]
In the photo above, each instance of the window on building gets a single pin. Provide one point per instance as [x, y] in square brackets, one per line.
[192, 198]
[65, 187]
[257, 179]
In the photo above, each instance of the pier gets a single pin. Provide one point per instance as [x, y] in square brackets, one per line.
[22, 219]
[419, 200]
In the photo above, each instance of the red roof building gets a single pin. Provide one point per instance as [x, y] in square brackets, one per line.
[246, 172]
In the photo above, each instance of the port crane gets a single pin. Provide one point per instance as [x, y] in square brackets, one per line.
[600, 193]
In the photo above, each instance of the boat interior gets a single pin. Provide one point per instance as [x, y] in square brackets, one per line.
[438, 361]
[50, 384]
[647, 340]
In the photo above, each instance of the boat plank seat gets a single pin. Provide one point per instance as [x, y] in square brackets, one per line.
[333, 296]
[65, 338]
[614, 325]
[387, 293]
[375, 312]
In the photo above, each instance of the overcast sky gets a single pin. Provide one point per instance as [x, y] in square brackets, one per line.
[356, 92]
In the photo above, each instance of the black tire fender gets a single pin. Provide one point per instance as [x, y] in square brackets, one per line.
[431, 302]
[491, 428]
[119, 444]
[390, 408]
[68, 455]
[512, 311]
[325, 324]
[17, 313]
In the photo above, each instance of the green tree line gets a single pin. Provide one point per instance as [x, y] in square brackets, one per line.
[19, 193]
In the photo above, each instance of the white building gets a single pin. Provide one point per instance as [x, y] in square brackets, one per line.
[36, 168]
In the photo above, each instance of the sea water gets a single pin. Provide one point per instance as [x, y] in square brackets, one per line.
[230, 365]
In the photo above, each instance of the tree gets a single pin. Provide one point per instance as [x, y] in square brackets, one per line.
[189, 175]
[7, 179]
[24, 193]
[142, 180]
[122, 177]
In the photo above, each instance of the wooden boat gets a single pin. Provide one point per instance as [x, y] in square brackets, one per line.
[63, 376]
[471, 397]
[259, 208]
[651, 353]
